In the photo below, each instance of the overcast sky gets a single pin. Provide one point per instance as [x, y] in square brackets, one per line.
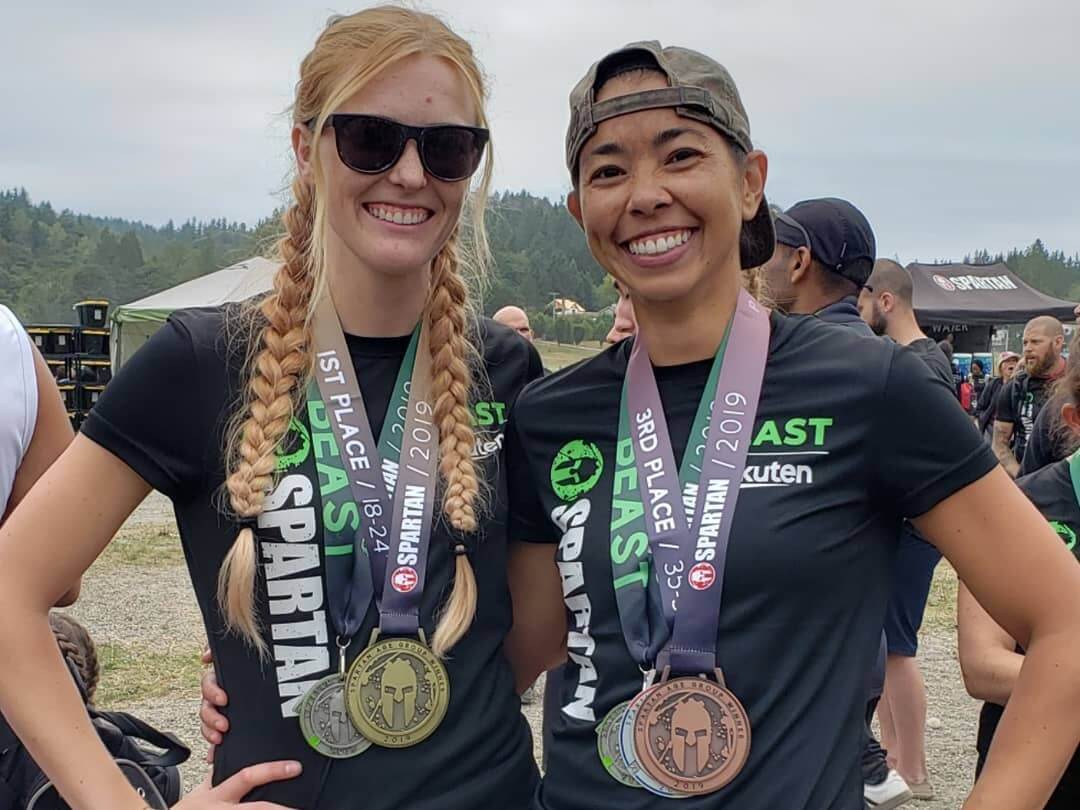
[953, 124]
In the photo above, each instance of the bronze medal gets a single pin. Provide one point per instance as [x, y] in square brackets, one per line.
[609, 748]
[397, 692]
[325, 723]
[691, 735]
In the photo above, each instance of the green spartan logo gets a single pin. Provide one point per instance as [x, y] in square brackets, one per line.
[575, 469]
[1065, 533]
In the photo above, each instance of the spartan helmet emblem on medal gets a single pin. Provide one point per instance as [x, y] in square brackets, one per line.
[691, 728]
[399, 687]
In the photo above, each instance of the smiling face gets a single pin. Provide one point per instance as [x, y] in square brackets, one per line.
[396, 221]
[662, 199]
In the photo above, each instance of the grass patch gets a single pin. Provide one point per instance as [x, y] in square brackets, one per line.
[145, 547]
[129, 675]
[558, 355]
[941, 604]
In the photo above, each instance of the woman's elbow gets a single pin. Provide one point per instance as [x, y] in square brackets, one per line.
[976, 681]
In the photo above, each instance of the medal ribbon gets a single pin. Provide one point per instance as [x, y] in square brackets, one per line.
[689, 541]
[636, 592]
[359, 532]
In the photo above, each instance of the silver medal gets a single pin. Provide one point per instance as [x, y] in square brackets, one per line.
[325, 722]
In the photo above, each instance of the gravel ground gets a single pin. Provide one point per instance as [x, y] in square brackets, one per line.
[143, 607]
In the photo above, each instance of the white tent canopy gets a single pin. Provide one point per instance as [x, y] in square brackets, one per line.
[134, 323]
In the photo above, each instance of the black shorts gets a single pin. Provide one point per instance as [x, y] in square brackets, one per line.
[914, 569]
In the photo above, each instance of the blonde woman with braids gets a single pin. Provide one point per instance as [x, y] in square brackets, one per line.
[217, 413]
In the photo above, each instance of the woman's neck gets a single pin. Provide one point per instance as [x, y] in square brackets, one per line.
[373, 304]
[690, 328]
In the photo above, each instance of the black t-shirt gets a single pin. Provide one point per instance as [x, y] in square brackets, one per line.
[987, 405]
[164, 415]
[1051, 490]
[1019, 403]
[1048, 442]
[930, 353]
[852, 435]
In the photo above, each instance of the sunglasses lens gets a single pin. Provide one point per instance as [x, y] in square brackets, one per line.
[452, 153]
[369, 144]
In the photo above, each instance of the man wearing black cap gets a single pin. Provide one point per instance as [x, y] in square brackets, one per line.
[824, 253]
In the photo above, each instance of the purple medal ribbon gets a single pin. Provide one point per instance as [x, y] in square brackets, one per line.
[398, 531]
[698, 547]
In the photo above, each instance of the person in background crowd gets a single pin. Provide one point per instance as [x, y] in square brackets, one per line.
[624, 325]
[34, 425]
[886, 304]
[978, 379]
[812, 272]
[1050, 440]
[1021, 400]
[990, 658]
[824, 254]
[516, 319]
[986, 408]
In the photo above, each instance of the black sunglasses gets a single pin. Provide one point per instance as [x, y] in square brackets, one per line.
[370, 145]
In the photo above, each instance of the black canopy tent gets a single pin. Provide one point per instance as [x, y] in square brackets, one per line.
[967, 300]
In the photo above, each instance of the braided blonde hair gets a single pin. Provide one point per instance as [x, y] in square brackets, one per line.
[348, 54]
[78, 649]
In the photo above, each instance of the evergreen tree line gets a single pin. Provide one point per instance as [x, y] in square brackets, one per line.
[50, 260]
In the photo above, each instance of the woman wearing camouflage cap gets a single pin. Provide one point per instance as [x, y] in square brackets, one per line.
[719, 617]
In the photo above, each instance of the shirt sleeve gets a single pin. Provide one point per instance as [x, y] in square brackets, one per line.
[527, 520]
[1041, 449]
[18, 399]
[927, 447]
[536, 364]
[1005, 411]
[148, 415]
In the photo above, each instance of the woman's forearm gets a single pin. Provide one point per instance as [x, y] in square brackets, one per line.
[43, 706]
[1039, 731]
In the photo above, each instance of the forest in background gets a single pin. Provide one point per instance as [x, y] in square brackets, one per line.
[49, 260]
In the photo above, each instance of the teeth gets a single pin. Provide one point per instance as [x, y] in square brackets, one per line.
[657, 245]
[398, 216]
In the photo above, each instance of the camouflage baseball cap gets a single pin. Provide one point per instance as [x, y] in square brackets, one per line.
[699, 88]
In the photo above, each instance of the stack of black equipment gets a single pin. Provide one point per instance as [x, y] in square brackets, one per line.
[78, 356]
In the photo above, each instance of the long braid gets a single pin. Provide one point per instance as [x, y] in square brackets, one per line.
[349, 53]
[273, 391]
[451, 386]
[757, 285]
[78, 649]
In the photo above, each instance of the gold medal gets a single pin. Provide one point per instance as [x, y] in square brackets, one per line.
[325, 722]
[691, 735]
[397, 692]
